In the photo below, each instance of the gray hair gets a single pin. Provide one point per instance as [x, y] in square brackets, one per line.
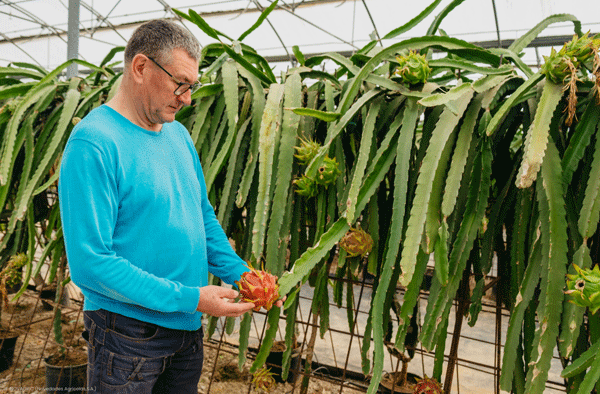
[158, 38]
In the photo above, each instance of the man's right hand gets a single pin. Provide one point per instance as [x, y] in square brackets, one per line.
[219, 301]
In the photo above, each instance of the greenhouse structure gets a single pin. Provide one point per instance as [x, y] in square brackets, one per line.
[412, 190]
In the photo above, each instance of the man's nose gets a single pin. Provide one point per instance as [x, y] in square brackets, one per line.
[185, 98]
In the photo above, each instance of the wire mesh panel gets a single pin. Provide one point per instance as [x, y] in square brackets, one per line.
[474, 354]
[336, 362]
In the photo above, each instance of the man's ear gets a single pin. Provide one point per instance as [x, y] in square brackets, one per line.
[138, 67]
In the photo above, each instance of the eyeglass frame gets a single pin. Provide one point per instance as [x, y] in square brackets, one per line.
[190, 86]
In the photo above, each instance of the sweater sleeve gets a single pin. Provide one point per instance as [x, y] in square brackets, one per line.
[223, 261]
[89, 205]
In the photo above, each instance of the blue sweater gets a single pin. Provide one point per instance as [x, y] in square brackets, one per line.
[140, 233]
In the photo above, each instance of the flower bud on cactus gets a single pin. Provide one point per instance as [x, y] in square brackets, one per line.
[584, 288]
[427, 386]
[413, 68]
[306, 151]
[327, 172]
[356, 242]
[305, 186]
[259, 287]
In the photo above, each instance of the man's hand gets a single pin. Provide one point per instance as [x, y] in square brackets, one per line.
[219, 301]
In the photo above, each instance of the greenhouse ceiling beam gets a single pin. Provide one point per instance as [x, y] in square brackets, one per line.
[102, 19]
[33, 19]
[8, 39]
[292, 10]
[286, 7]
[290, 58]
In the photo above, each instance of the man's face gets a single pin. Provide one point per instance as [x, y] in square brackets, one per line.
[161, 102]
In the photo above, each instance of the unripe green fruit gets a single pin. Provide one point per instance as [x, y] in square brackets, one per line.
[327, 172]
[305, 186]
[584, 288]
[306, 151]
[413, 68]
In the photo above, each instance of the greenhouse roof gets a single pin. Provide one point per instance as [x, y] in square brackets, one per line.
[35, 31]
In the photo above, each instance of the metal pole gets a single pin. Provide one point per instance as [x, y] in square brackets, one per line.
[73, 35]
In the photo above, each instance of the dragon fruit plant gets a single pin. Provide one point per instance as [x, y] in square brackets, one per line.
[562, 70]
[11, 276]
[327, 172]
[259, 287]
[584, 287]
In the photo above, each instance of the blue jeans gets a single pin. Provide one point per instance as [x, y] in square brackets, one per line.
[126, 355]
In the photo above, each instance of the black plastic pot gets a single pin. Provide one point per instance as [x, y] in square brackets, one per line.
[7, 351]
[66, 379]
[275, 361]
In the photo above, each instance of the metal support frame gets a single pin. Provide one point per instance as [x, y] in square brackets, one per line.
[73, 37]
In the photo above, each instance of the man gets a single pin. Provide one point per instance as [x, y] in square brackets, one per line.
[140, 233]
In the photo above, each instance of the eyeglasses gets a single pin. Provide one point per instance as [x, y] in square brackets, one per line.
[182, 87]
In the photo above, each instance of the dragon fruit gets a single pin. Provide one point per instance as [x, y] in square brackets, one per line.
[306, 187]
[584, 287]
[356, 242]
[307, 150]
[413, 68]
[328, 171]
[263, 380]
[427, 386]
[259, 287]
